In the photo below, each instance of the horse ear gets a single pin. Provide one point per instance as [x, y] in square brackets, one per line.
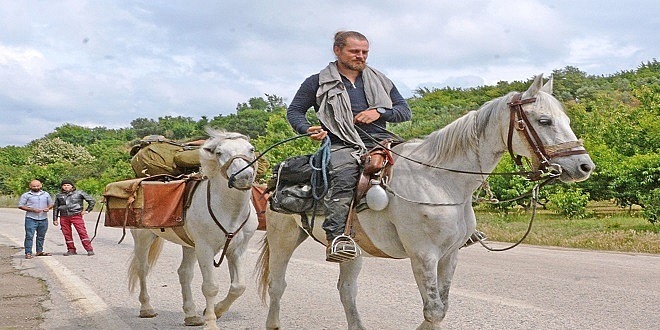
[534, 88]
[548, 86]
[208, 148]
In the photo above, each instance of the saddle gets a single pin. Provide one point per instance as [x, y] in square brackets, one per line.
[376, 168]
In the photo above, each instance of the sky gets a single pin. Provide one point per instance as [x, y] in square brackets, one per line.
[106, 63]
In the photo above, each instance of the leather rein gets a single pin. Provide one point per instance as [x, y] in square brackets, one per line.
[228, 235]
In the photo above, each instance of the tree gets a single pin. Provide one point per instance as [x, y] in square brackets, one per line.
[144, 127]
[48, 151]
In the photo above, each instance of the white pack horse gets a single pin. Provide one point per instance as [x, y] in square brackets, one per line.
[219, 217]
[431, 231]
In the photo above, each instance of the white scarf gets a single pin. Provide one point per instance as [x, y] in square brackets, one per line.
[335, 106]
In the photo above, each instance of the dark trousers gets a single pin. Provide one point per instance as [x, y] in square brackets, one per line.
[343, 174]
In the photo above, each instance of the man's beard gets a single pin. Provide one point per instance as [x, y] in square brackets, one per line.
[355, 65]
[35, 190]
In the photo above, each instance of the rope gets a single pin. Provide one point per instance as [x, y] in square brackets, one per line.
[322, 158]
[268, 149]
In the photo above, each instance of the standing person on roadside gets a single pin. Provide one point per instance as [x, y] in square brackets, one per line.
[36, 203]
[346, 94]
[70, 209]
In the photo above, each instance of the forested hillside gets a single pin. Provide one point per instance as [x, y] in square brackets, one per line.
[617, 116]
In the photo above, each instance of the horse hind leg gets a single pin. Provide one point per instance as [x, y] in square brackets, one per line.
[147, 248]
[283, 238]
[185, 273]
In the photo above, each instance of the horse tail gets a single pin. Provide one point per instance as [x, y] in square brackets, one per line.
[154, 252]
[262, 270]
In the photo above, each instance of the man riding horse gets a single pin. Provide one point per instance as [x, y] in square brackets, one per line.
[353, 103]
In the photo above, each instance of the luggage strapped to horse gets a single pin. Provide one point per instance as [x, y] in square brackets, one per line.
[154, 202]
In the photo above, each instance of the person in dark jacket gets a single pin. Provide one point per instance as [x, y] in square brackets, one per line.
[346, 94]
[69, 209]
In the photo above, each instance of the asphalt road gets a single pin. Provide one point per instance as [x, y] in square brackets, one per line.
[525, 288]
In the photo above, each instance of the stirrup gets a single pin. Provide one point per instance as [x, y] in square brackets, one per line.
[477, 236]
[342, 248]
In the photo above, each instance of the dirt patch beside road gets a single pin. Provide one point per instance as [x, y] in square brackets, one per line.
[21, 296]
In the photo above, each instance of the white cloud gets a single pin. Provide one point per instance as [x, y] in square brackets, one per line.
[107, 63]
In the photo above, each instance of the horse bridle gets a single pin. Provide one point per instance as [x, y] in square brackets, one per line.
[232, 178]
[230, 182]
[520, 122]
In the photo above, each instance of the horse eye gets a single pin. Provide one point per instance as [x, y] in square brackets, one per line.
[545, 121]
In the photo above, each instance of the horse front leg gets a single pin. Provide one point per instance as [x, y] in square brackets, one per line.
[425, 269]
[235, 260]
[185, 272]
[348, 288]
[139, 268]
[446, 269]
[205, 257]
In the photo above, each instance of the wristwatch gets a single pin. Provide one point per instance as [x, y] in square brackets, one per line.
[381, 110]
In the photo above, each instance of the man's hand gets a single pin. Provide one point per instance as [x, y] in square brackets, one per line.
[318, 133]
[366, 116]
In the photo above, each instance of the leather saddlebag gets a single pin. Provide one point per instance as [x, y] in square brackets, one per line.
[152, 202]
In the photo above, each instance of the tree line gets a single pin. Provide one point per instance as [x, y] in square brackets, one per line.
[617, 116]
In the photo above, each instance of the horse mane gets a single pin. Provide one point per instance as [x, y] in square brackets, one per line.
[217, 135]
[459, 136]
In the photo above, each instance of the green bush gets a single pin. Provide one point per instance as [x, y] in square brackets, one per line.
[651, 202]
[570, 202]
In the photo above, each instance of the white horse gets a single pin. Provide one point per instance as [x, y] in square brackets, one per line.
[220, 216]
[430, 215]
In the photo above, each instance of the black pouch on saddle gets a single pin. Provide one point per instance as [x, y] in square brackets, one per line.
[291, 184]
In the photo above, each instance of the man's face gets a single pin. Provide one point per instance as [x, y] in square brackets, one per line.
[67, 187]
[354, 54]
[35, 186]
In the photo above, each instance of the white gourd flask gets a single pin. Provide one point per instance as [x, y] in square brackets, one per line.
[377, 198]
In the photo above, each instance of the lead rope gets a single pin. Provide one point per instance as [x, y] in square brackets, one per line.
[535, 195]
[228, 235]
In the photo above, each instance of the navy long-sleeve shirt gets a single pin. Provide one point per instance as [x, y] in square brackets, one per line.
[305, 98]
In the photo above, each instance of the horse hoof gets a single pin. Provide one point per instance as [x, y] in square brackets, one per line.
[148, 314]
[193, 321]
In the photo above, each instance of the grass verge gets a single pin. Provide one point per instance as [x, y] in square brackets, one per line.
[607, 229]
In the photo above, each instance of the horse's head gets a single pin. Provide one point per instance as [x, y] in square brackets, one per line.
[228, 155]
[539, 129]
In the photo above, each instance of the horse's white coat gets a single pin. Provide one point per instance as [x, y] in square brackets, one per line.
[231, 207]
[430, 235]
